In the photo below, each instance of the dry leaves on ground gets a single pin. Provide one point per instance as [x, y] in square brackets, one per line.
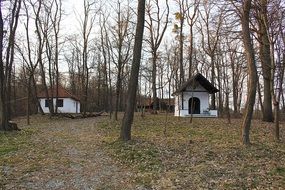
[166, 153]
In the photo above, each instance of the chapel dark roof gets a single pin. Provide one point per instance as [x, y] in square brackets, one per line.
[201, 80]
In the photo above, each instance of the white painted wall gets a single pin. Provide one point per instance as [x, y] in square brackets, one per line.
[214, 113]
[69, 105]
[199, 92]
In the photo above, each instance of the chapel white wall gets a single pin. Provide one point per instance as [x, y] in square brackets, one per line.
[199, 92]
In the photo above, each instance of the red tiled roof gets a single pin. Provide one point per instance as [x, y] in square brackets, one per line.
[62, 93]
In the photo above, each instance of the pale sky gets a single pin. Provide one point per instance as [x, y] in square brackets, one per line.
[69, 20]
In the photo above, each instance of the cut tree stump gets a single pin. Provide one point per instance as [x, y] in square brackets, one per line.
[12, 126]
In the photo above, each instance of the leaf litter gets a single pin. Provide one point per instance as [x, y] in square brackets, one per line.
[86, 154]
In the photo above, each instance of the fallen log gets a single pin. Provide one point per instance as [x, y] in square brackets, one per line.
[81, 116]
[93, 114]
[68, 115]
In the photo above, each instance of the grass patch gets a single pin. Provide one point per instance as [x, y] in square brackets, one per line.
[7, 149]
[279, 171]
[139, 156]
[14, 140]
[136, 154]
[205, 154]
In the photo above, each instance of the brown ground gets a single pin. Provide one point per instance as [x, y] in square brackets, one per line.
[85, 154]
[62, 154]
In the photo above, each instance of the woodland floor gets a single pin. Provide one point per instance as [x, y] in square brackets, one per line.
[165, 153]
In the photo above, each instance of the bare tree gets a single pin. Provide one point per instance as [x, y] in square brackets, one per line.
[106, 53]
[265, 57]
[7, 36]
[106, 61]
[178, 28]
[156, 24]
[121, 40]
[252, 72]
[191, 17]
[125, 134]
[212, 23]
[275, 32]
[236, 60]
[56, 19]
[86, 24]
[279, 70]
[44, 13]
[40, 31]
[30, 59]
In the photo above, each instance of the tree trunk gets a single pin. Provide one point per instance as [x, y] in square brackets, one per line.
[220, 97]
[228, 107]
[125, 134]
[277, 120]
[154, 67]
[260, 96]
[7, 65]
[182, 73]
[265, 58]
[3, 121]
[118, 90]
[213, 96]
[252, 73]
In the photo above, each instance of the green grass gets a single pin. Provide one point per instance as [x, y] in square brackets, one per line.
[12, 141]
[144, 158]
[7, 149]
[280, 171]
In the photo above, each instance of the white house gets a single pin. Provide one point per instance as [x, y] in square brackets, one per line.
[192, 98]
[67, 102]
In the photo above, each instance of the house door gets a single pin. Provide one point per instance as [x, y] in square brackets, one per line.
[194, 105]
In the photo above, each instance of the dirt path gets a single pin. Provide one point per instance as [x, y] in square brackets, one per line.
[66, 155]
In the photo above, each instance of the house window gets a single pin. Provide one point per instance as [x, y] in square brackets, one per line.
[60, 103]
[47, 103]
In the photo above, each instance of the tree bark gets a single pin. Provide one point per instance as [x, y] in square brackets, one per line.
[3, 120]
[252, 73]
[277, 120]
[265, 58]
[133, 82]
[7, 64]
[213, 96]
[153, 80]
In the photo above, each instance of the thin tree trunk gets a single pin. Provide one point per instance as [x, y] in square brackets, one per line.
[228, 107]
[28, 99]
[213, 96]
[252, 73]
[182, 73]
[154, 94]
[7, 65]
[260, 96]
[265, 59]
[3, 120]
[118, 90]
[277, 120]
[125, 134]
[37, 102]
